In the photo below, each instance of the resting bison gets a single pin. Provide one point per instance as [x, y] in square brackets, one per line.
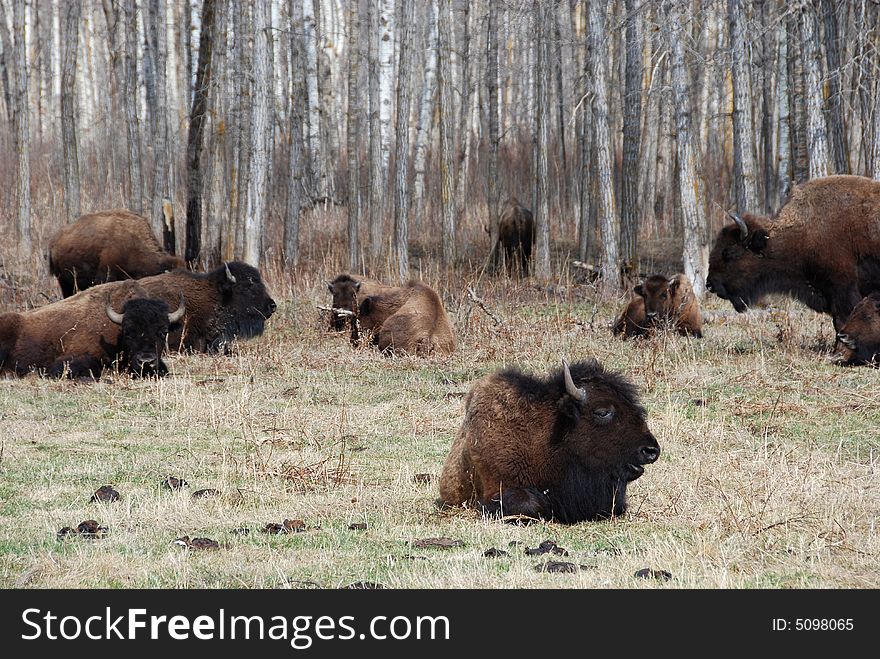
[822, 248]
[407, 319]
[516, 233]
[83, 334]
[106, 246]
[634, 319]
[228, 303]
[662, 302]
[858, 341]
[347, 290]
[564, 447]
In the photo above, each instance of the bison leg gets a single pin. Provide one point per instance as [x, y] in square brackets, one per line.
[519, 501]
[81, 368]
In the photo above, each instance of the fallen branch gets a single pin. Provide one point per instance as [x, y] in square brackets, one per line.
[341, 312]
[482, 305]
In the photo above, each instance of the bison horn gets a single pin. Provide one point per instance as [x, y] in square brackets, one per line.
[743, 229]
[229, 274]
[578, 393]
[175, 316]
[112, 315]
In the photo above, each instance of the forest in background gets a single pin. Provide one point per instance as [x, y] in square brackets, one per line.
[285, 131]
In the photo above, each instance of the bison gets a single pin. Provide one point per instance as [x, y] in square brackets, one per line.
[634, 319]
[858, 341]
[225, 304]
[346, 291]
[109, 245]
[83, 334]
[662, 302]
[407, 319]
[563, 447]
[822, 248]
[516, 234]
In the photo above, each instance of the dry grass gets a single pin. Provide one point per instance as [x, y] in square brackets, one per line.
[768, 477]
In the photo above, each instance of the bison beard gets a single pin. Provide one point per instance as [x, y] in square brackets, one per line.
[549, 448]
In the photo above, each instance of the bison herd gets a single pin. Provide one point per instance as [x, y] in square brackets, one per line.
[561, 447]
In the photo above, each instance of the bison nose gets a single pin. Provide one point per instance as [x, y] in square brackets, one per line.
[651, 314]
[709, 286]
[272, 306]
[650, 453]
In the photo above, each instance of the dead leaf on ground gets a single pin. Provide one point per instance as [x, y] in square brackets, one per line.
[174, 483]
[106, 494]
[437, 543]
[546, 547]
[206, 492]
[648, 573]
[364, 585]
[197, 543]
[287, 526]
[86, 529]
[358, 526]
[560, 567]
[424, 479]
[494, 552]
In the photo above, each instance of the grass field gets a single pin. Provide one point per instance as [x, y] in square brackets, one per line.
[768, 476]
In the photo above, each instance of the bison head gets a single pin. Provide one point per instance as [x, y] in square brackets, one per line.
[603, 424]
[245, 305]
[858, 341]
[344, 290]
[736, 269]
[659, 293]
[144, 325]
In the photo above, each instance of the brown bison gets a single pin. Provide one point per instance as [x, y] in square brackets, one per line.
[516, 234]
[347, 290]
[634, 319]
[822, 248]
[407, 319]
[858, 341]
[83, 334]
[564, 447]
[109, 245]
[225, 304]
[662, 302]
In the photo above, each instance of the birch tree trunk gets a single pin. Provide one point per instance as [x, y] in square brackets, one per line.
[492, 91]
[744, 167]
[448, 203]
[386, 80]
[71, 12]
[352, 133]
[318, 169]
[783, 101]
[462, 168]
[542, 113]
[876, 146]
[609, 225]
[799, 137]
[22, 126]
[632, 119]
[836, 124]
[695, 252]
[426, 111]
[132, 125]
[817, 134]
[298, 103]
[766, 111]
[401, 206]
[163, 180]
[193, 248]
[261, 132]
[376, 196]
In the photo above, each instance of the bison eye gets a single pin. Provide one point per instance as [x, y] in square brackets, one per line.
[603, 414]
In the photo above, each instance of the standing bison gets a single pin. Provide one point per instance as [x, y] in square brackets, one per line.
[106, 246]
[228, 303]
[822, 248]
[407, 319]
[516, 234]
[83, 334]
[561, 448]
[858, 341]
[662, 302]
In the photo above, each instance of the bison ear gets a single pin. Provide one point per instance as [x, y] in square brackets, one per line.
[330, 286]
[757, 242]
[638, 290]
[673, 284]
[366, 306]
[357, 286]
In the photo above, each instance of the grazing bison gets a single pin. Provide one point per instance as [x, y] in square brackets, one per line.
[858, 341]
[228, 303]
[106, 246]
[83, 334]
[564, 447]
[516, 233]
[822, 248]
[407, 319]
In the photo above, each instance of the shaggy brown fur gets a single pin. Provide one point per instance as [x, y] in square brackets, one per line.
[218, 309]
[347, 291]
[671, 302]
[76, 335]
[408, 319]
[634, 319]
[536, 447]
[516, 234]
[109, 245]
[858, 342]
[822, 248]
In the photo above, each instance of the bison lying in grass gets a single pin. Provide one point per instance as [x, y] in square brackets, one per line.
[662, 302]
[109, 245]
[83, 334]
[858, 341]
[347, 291]
[563, 447]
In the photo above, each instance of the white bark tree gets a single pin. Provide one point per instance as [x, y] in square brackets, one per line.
[401, 199]
[744, 162]
[69, 47]
[817, 131]
[426, 111]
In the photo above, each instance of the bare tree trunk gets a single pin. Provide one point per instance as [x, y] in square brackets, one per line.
[876, 146]
[261, 132]
[69, 45]
[163, 177]
[865, 83]
[744, 167]
[352, 134]
[632, 119]
[244, 46]
[462, 168]
[766, 111]
[132, 125]
[193, 247]
[783, 101]
[319, 170]
[492, 91]
[375, 195]
[817, 137]
[447, 140]
[799, 138]
[836, 123]
[386, 83]
[401, 156]
[21, 122]
[695, 252]
[298, 103]
[426, 111]
[609, 225]
[543, 114]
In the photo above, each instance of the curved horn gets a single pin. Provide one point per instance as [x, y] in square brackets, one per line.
[229, 274]
[578, 393]
[112, 315]
[175, 316]
[743, 229]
